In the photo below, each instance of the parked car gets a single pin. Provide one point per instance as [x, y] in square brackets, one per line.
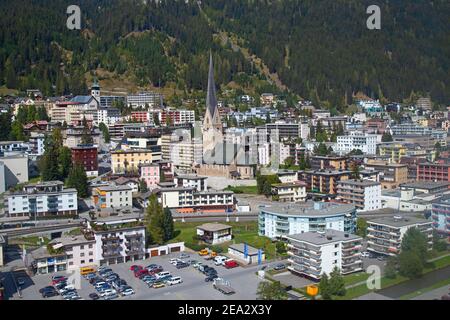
[183, 256]
[162, 274]
[365, 254]
[182, 265]
[197, 265]
[108, 292]
[211, 277]
[230, 264]
[94, 296]
[56, 279]
[156, 270]
[135, 267]
[174, 280]
[47, 293]
[46, 289]
[159, 284]
[153, 266]
[140, 272]
[111, 296]
[174, 261]
[279, 266]
[220, 260]
[127, 292]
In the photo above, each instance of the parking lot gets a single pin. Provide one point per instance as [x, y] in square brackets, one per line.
[243, 280]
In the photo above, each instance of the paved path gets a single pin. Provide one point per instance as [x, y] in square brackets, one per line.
[433, 294]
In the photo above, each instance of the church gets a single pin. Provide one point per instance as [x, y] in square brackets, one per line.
[221, 159]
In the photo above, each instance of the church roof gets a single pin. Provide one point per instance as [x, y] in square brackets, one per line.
[211, 99]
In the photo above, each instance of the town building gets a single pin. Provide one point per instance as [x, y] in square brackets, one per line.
[214, 233]
[433, 171]
[323, 181]
[80, 251]
[328, 162]
[145, 100]
[123, 161]
[14, 169]
[391, 174]
[246, 254]
[278, 219]
[365, 142]
[112, 197]
[289, 192]
[440, 215]
[191, 181]
[385, 234]
[189, 200]
[151, 174]
[313, 254]
[87, 156]
[43, 261]
[363, 194]
[44, 199]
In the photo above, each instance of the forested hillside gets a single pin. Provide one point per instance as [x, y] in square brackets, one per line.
[321, 50]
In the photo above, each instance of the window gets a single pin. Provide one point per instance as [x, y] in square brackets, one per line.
[82, 261]
[82, 254]
[81, 247]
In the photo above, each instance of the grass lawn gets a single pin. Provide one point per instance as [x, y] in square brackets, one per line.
[243, 189]
[355, 278]
[242, 232]
[31, 241]
[424, 290]
[362, 289]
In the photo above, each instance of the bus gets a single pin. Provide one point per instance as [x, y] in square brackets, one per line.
[87, 270]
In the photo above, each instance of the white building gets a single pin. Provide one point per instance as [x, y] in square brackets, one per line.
[365, 195]
[385, 234]
[215, 233]
[47, 198]
[113, 197]
[108, 116]
[142, 99]
[264, 154]
[79, 250]
[365, 142]
[284, 152]
[289, 192]
[36, 143]
[313, 254]
[277, 220]
[199, 183]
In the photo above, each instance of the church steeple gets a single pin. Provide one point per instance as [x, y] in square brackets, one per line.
[211, 99]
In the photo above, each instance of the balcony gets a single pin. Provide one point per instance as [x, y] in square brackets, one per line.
[111, 254]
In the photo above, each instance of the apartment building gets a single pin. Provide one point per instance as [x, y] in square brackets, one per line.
[73, 137]
[199, 183]
[151, 174]
[440, 215]
[129, 160]
[395, 151]
[365, 142]
[289, 192]
[363, 194]
[391, 174]
[36, 143]
[14, 169]
[277, 219]
[183, 154]
[174, 116]
[328, 162]
[44, 199]
[188, 200]
[108, 116]
[323, 181]
[385, 234]
[87, 156]
[215, 233]
[145, 99]
[313, 254]
[112, 197]
[433, 171]
[79, 250]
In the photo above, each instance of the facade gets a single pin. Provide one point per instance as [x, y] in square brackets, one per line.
[43, 199]
[87, 156]
[433, 172]
[119, 244]
[214, 233]
[242, 252]
[73, 137]
[112, 197]
[440, 215]
[80, 251]
[289, 192]
[151, 174]
[108, 116]
[15, 169]
[328, 162]
[192, 181]
[44, 262]
[279, 220]
[189, 200]
[36, 143]
[363, 194]
[391, 174]
[395, 151]
[324, 181]
[385, 234]
[365, 142]
[129, 160]
[313, 254]
[145, 99]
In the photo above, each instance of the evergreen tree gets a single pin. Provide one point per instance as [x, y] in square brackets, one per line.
[78, 179]
[324, 287]
[168, 224]
[337, 283]
[65, 162]
[155, 221]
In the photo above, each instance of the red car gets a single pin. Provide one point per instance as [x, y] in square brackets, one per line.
[230, 264]
[57, 279]
[155, 271]
[140, 272]
[136, 267]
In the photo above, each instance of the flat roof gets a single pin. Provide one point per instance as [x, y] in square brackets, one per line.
[115, 188]
[240, 247]
[308, 209]
[190, 177]
[212, 227]
[319, 238]
[71, 240]
[360, 183]
[398, 222]
[425, 184]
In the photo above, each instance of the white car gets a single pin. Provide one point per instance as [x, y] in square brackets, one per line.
[365, 254]
[108, 292]
[174, 261]
[127, 292]
[174, 280]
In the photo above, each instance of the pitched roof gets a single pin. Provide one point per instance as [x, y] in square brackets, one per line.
[211, 99]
